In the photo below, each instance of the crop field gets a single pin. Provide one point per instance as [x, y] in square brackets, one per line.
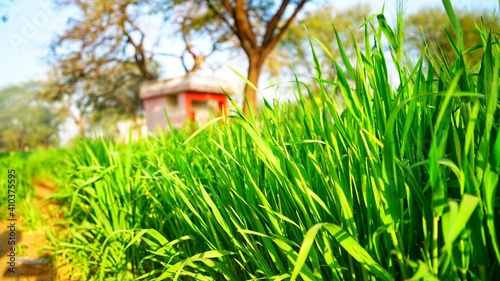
[399, 183]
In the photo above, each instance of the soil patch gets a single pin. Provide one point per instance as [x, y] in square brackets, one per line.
[32, 260]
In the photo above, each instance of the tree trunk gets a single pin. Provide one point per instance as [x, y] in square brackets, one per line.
[81, 127]
[254, 69]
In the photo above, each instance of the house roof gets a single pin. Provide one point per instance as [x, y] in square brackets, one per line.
[190, 82]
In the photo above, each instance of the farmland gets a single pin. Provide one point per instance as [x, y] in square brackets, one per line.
[401, 182]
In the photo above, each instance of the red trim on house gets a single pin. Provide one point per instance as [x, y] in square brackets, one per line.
[196, 96]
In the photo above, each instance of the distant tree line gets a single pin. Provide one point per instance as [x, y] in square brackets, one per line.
[25, 121]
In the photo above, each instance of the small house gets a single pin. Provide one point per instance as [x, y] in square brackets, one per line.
[192, 97]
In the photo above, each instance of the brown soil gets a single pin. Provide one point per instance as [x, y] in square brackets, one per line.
[33, 261]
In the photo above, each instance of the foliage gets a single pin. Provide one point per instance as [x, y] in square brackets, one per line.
[401, 184]
[258, 26]
[98, 97]
[103, 34]
[295, 47]
[99, 62]
[30, 167]
[194, 22]
[428, 27]
[19, 130]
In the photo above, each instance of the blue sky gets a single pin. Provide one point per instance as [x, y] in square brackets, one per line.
[25, 38]
[33, 23]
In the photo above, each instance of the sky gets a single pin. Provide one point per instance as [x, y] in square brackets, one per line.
[32, 24]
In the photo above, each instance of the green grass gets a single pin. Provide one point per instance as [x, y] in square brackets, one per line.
[402, 183]
[30, 167]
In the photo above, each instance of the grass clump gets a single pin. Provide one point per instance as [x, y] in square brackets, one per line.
[30, 167]
[401, 184]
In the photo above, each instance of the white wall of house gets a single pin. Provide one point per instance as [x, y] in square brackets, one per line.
[127, 127]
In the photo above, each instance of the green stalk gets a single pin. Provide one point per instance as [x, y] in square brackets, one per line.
[399, 254]
[435, 247]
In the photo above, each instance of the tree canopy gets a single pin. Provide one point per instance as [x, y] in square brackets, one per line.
[19, 130]
[320, 24]
[99, 63]
[428, 27]
[258, 27]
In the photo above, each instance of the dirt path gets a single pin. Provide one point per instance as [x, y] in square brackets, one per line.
[32, 261]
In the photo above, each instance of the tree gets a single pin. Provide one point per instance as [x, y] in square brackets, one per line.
[427, 27]
[191, 20]
[102, 95]
[105, 33]
[24, 120]
[99, 62]
[258, 27]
